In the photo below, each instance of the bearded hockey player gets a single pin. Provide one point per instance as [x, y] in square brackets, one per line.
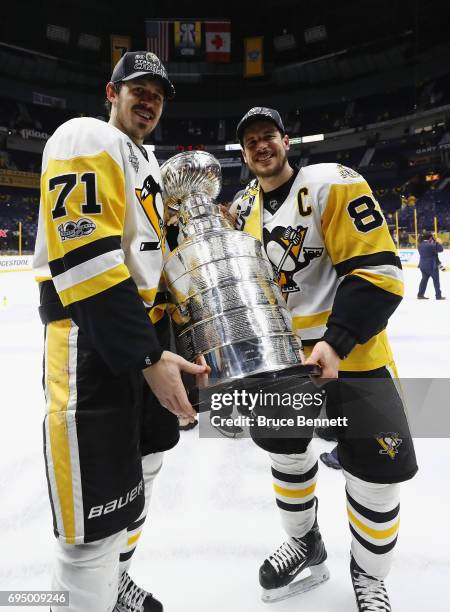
[337, 267]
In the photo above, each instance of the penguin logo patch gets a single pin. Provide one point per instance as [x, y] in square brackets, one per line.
[147, 199]
[284, 247]
[389, 443]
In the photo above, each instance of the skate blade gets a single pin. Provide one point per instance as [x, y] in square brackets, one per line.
[319, 574]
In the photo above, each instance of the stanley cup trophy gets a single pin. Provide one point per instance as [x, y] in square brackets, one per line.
[227, 309]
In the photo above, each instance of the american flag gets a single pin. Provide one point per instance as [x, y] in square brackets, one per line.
[157, 33]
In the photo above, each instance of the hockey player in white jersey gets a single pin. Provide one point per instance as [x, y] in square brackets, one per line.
[98, 261]
[337, 267]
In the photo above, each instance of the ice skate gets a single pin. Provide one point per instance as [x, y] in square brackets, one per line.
[370, 592]
[278, 572]
[131, 598]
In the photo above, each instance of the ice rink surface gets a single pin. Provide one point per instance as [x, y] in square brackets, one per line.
[213, 518]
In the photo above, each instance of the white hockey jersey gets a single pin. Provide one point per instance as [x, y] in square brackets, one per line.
[334, 259]
[101, 223]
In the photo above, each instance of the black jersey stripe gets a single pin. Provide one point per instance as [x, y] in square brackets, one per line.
[84, 253]
[375, 259]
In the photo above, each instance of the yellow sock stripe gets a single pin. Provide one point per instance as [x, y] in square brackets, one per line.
[94, 285]
[378, 534]
[134, 538]
[294, 492]
[58, 390]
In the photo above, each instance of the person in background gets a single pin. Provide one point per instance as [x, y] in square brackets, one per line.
[429, 265]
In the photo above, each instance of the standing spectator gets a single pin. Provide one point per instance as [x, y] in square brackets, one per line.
[429, 265]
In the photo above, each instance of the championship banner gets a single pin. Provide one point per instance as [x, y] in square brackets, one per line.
[218, 41]
[119, 46]
[188, 39]
[253, 59]
[14, 178]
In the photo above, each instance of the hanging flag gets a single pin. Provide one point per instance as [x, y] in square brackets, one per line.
[157, 34]
[119, 46]
[253, 59]
[188, 38]
[218, 41]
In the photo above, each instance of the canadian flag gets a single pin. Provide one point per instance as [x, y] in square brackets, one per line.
[218, 43]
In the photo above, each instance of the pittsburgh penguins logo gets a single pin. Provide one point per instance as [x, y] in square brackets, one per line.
[389, 443]
[284, 247]
[147, 196]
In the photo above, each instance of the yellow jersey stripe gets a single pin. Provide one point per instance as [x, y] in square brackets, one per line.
[94, 285]
[294, 492]
[313, 320]
[378, 534]
[382, 282]
[157, 313]
[148, 295]
[253, 225]
[58, 390]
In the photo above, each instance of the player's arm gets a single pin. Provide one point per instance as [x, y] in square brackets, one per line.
[365, 259]
[83, 206]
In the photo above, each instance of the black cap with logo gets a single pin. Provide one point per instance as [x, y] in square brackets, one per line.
[259, 113]
[135, 64]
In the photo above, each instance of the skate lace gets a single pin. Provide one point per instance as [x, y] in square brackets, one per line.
[130, 594]
[288, 555]
[371, 593]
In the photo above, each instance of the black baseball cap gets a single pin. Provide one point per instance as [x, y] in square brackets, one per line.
[259, 113]
[135, 64]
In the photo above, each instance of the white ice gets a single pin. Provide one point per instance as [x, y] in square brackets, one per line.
[213, 518]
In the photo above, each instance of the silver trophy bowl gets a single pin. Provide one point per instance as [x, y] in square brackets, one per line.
[190, 173]
[226, 307]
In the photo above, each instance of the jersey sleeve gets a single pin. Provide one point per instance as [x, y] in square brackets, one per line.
[364, 257]
[84, 209]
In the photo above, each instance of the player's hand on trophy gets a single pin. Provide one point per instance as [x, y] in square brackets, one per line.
[173, 219]
[326, 357]
[164, 379]
[202, 378]
[227, 214]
